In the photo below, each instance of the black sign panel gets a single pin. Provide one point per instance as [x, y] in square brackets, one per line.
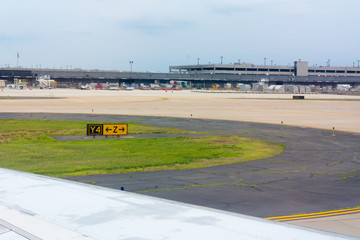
[94, 129]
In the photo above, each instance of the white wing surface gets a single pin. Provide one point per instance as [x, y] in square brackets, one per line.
[39, 207]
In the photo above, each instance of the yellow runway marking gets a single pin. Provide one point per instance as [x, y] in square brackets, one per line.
[315, 215]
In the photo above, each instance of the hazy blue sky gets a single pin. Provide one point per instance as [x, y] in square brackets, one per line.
[107, 34]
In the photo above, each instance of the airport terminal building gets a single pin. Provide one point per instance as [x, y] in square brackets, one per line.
[299, 69]
[198, 75]
[300, 73]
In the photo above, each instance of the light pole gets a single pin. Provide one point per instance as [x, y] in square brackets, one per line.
[198, 61]
[221, 62]
[264, 61]
[358, 63]
[131, 63]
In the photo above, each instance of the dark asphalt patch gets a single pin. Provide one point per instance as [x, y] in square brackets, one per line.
[64, 138]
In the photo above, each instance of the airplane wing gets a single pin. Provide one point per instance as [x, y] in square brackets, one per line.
[40, 207]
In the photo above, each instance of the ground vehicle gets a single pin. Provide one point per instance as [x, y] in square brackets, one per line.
[46, 82]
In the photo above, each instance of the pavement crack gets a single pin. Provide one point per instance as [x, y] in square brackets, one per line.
[320, 193]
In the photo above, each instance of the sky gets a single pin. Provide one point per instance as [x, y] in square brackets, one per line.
[156, 34]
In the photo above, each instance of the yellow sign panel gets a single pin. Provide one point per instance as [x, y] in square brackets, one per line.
[115, 129]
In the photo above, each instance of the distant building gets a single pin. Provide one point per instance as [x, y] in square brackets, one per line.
[300, 69]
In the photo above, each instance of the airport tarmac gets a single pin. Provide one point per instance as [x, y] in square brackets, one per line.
[317, 110]
[316, 172]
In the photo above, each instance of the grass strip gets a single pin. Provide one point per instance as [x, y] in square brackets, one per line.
[26, 146]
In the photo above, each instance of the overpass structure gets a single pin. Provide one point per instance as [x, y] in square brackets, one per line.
[201, 75]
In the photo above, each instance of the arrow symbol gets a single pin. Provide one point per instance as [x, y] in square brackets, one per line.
[123, 129]
[107, 129]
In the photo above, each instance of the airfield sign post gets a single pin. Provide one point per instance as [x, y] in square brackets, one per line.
[106, 129]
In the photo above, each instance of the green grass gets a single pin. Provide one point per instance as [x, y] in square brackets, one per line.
[26, 146]
[13, 130]
[10, 125]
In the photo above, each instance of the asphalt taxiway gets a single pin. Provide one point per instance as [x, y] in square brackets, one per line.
[316, 171]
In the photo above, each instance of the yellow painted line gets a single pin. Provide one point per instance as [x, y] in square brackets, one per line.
[306, 214]
[315, 215]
